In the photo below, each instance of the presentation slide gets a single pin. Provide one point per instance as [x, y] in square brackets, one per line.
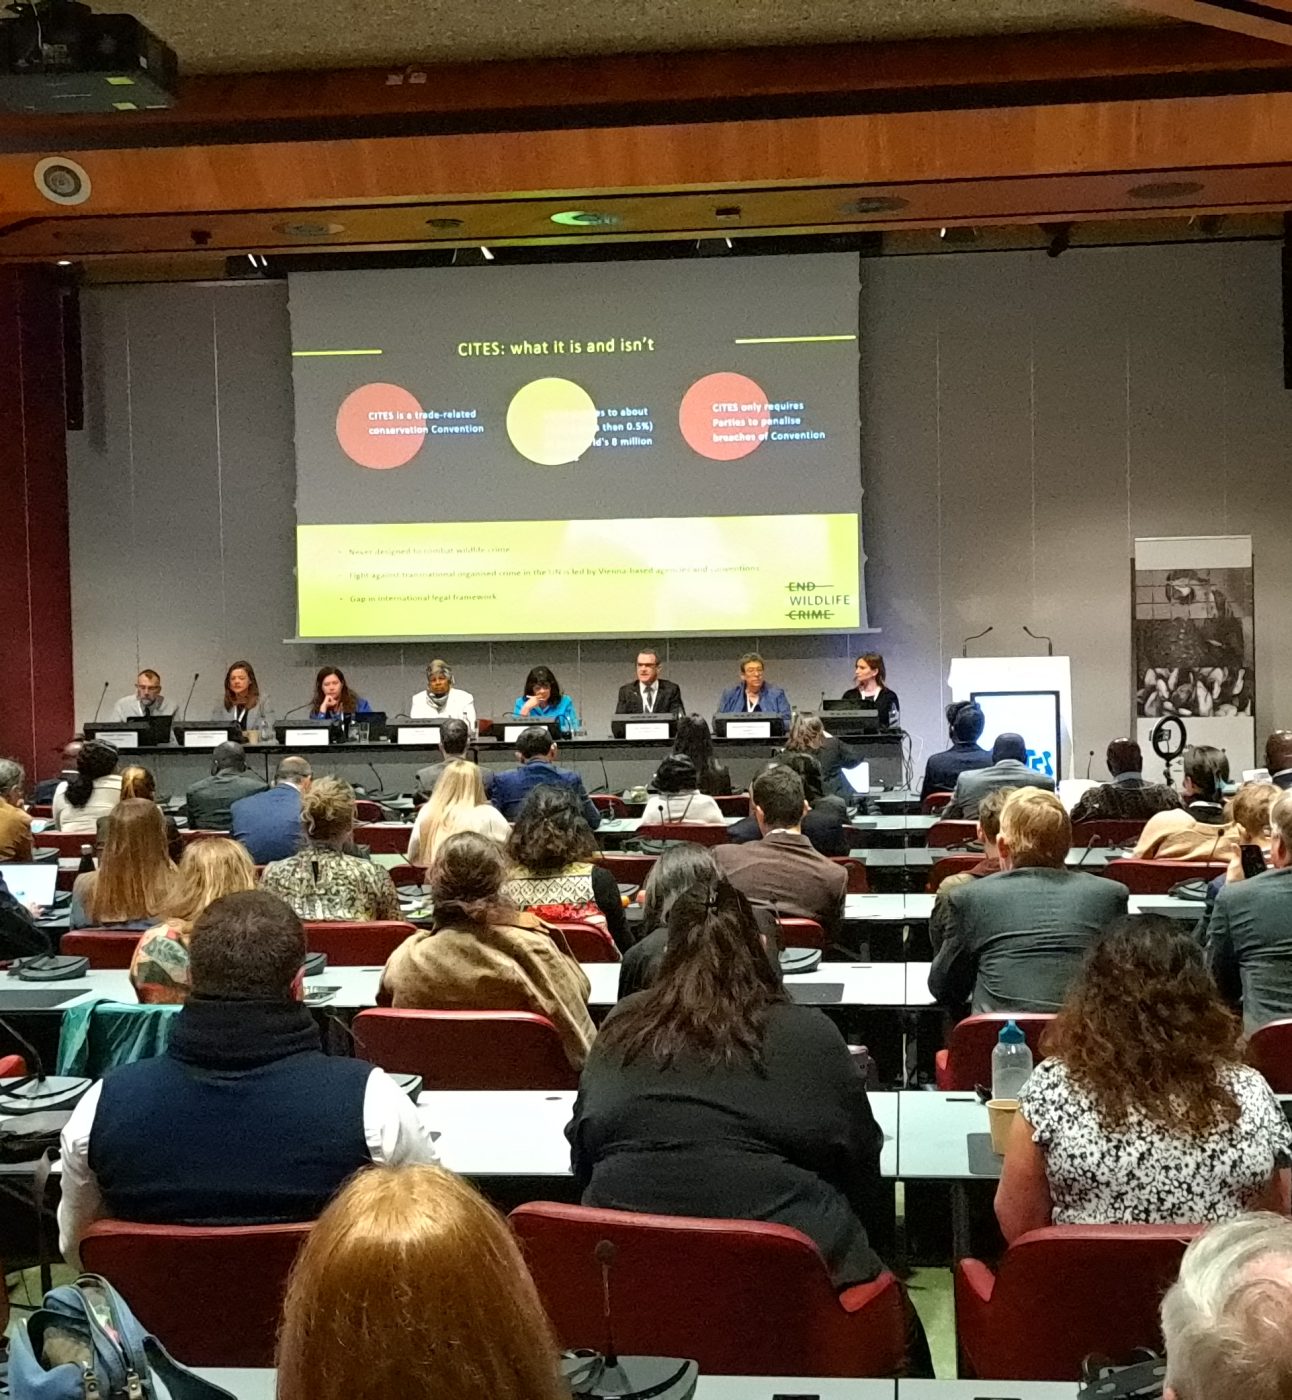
[659, 448]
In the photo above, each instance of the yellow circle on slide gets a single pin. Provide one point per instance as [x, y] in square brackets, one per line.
[552, 421]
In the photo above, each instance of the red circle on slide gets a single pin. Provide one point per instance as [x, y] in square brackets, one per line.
[707, 412]
[366, 412]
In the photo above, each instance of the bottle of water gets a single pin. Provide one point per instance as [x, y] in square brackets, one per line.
[87, 860]
[266, 727]
[1011, 1062]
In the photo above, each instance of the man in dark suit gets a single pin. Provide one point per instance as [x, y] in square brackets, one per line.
[454, 738]
[1014, 941]
[1008, 769]
[965, 722]
[1249, 933]
[269, 823]
[1278, 758]
[783, 870]
[648, 694]
[536, 765]
[210, 802]
[1128, 797]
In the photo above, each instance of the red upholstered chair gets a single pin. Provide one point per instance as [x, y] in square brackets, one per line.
[966, 1062]
[857, 882]
[587, 942]
[1106, 833]
[733, 804]
[366, 810]
[357, 945]
[802, 933]
[189, 835]
[610, 804]
[701, 834]
[1063, 1293]
[42, 811]
[1158, 876]
[739, 1297]
[950, 865]
[934, 803]
[951, 833]
[627, 869]
[387, 839]
[105, 948]
[1270, 1051]
[407, 875]
[12, 1067]
[466, 1049]
[66, 843]
[211, 1296]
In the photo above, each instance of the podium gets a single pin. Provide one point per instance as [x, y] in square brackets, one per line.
[1028, 695]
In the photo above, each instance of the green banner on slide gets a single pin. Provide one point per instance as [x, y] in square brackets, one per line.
[512, 578]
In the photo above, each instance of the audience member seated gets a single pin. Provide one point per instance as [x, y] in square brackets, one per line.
[1198, 830]
[1248, 824]
[1227, 1318]
[455, 737]
[989, 810]
[554, 871]
[1278, 758]
[483, 954]
[209, 803]
[542, 699]
[1008, 769]
[824, 821]
[1206, 771]
[694, 741]
[136, 875]
[536, 767]
[43, 793]
[19, 935]
[677, 796]
[965, 723]
[137, 781]
[1249, 932]
[268, 823]
[209, 870]
[244, 1120]
[464, 1321]
[333, 699]
[1144, 1112]
[809, 735]
[321, 881]
[1128, 797]
[1015, 941]
[783, 870]
[15, 824]
[711, 1094]
[92, 793]
[459, 804]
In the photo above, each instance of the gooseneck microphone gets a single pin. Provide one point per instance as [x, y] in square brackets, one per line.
[99, 706]
[605, 1252]
[1041, 637]
[307, 705]
[1089, 761]
[189, 701]
[964, 646]
[37, 1091]
[1095, 840]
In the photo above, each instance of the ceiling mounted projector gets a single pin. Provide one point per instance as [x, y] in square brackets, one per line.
[58, 56]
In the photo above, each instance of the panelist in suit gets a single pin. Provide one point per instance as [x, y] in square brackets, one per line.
[752, 695]
[442, 698]
[536, 765]
[147, 700]
[649, 694]
[1278, 758]
[1008, 769]
[333, 698]
[869, 690]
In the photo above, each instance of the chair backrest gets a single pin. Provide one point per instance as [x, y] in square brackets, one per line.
[366, 810]
[857, 881]
[587, 942]
[1158, 876]
[407, 874]
[973, 1039]
[739, 1297]
[628, 869]
[42, 811]
[733, 804]
[190, 834]
[357, 945]
[211, 1296]
[385, 838]
[1270, 1051]
[950, 865]
[466, 1049]
[1067, 1291]
[698, 832]
[951, 833]
[934, 802]
[801, 933]
[1108, 832]
[66, 843]
[105, 948]
[610, 803]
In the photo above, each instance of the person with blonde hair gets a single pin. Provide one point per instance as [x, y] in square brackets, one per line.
[210, 869]
[321, 881]
[135, 877]
[465, 1321]
[1015, 940]
[457, 804]
[138, 781]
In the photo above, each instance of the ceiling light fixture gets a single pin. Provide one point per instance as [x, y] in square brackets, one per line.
[306, 229]
[64, 262]
[444, 223]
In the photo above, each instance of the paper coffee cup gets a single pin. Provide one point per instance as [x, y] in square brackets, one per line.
[1000, 1114]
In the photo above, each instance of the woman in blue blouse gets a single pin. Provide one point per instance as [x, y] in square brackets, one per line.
[543, 700]
[333, 698]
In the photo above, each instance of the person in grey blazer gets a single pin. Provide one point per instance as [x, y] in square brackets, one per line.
[209, 803]
[1249, 933]
[1014, 941]
[1008, 770]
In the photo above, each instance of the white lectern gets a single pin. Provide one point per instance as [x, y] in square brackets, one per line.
[970, 675]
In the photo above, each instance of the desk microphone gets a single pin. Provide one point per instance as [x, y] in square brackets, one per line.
[1040, 637]
[1095, 840]
[307, 705]
[1089, 761]
[189, 701]
[99, 706]
[964, 646]
[37, 1092]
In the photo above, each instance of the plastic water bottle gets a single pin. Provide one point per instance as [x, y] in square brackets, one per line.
[87, 860]
[1011, 1062]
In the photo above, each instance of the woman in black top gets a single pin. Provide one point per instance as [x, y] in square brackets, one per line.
[711, 1094]
[869, 690]
[694, 741]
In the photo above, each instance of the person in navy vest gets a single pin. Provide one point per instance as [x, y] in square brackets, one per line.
[243, 1120]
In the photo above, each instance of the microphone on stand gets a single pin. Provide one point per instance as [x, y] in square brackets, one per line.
[1094, 841]
[99, 706]
[37, 1092]
[298, 709]
[189, 701]
[605, 1252]
[1089, 761]
[1040, 637]
[964, 646]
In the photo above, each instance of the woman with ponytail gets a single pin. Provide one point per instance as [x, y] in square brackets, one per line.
[92, 793]
[485, 955]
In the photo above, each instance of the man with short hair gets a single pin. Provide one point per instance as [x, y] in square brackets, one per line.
[454, 740]
[1278, 758]
[783, 870]
[243, 1120]
[649, 694]
[989, 810]
[43, 793]
[1227, 1319]
[1014, 941]
[1008, 769]
[1249, 933]
[269, 823]
[536, 765]
[753, 694]
[1128, 797]
[965, 723]
[146, 702]
[210, 802]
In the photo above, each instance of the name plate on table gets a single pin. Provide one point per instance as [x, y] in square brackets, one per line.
[420, 735]
[317, 735]
[749, 729]
[119, 738]
[648, 731]
[204, 738]
[512, 732]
